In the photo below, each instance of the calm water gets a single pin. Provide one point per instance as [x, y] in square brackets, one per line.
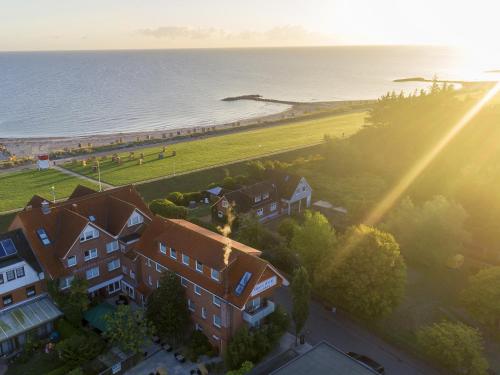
[76, 93]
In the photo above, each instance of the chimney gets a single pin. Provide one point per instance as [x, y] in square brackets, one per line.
[45, 207]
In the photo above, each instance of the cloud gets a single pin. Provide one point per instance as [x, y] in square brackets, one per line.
[288, 35]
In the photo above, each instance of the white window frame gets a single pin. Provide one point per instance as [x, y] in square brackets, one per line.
[199, 266]
[218, 325]
[135, 219]
[203, 313]
[184, 256]
[150, 280]
[90, 256]
[112, 287]
[163, 248]
[225, 204]
[67, 282]
[274, 206]
[70, 263]
[257, 198]
[260, 211]
[112, 246]
[94, 275]
[88, 234]
[220, 214]
[214, 272]
[265, 195]
[148, 262]
[115, 262]
[216, 301]
[173, 253]
[159, 267]
[191, 305]
[184, 282]
[197, 289]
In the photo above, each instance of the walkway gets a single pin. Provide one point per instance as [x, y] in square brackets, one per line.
[104, 185]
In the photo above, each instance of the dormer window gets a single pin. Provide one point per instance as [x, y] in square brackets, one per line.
[257, 199]
[88, 234]
[214, 274]
[265, 195]
[135, 218]
[199, 266]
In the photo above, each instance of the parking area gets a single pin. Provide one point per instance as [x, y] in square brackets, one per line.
[159, 361]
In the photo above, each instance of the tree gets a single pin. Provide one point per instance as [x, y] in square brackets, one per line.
[313, 241]
[167, 308]
[253, 233]
[367, 276]
[286, 228]
[245, 368]
[127, 329]
[73, 302]
[454, 346]
[301, 293]
[79, 349]
[198, 345]
[431, 233]
[168, 209]
[482, 297]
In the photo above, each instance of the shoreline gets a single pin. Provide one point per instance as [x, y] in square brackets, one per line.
[27, 146]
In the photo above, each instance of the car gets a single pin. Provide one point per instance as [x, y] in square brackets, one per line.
[368, 362]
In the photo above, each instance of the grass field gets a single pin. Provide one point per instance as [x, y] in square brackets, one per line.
[222, 149]
[17, 188]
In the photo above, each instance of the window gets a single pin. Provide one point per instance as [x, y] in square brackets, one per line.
[197, 289]
[265, 195]
[114, 287]
[92, 273]
[88, 234]
[148, 262]
[184, 282]
[225, 203]
[132, 275]
[216, 301]
[214, 274]
[157, 284]
[215, 337]
[43, 236]
[113, 265]
[159, 268]
[198, 327]
[260, 212]
[135, 219]
[203, 313]
[7, 300]
[111, 246]
[163, 248]
[173, 253]
[217, 321]
[10, 275]
[274, 206]
[92, 218]
[90, 254]
[1, 278]
[257, 199]
[66, 282]
[190, 305]
[185, 259]
[220, 214]
[20, 272]
[150, 280]
[199, 266]
[125, 270]
[30, 291]
[72, 261]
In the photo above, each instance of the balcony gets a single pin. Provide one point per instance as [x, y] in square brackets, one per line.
[255, 316]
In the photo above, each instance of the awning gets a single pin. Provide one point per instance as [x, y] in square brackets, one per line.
[95, 315]
[27, 316]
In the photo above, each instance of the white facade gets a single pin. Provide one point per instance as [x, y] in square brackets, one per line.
[30, 277]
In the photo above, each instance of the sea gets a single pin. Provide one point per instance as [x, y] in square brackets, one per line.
[93, 92]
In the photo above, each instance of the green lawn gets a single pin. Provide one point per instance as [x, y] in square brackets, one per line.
[17, 188]
[202, 153]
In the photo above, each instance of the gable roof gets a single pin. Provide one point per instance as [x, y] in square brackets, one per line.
[285, 182]
[66, 220]
[209, 248]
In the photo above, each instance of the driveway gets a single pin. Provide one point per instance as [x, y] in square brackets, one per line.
[347, 336]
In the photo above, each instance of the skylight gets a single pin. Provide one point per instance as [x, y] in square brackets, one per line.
[43, 236]
[243, 283]
[92, 218]
[7, 248]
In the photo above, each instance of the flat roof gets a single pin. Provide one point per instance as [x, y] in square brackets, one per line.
[324, 358]
[27, 316]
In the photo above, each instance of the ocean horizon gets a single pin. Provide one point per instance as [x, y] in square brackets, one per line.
[78, 93]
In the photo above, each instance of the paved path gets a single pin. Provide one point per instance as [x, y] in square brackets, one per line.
[347, 336]
[77, 175]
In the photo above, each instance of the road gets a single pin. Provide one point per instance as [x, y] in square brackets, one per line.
[347, 336]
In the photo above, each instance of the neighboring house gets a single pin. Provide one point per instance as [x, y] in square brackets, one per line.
[221, 297]
[113, 240]
[260, 199]
[86, 236]
[280, 194]
[25, 307]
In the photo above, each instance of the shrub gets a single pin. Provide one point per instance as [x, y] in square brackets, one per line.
[168, 209]
[66, 329]
[198, 346]
[78, 348]
[176, 198]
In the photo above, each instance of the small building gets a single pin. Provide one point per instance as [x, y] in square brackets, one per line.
[294, 191]
[43, 161]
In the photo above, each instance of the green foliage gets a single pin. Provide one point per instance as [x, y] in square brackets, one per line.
[367, 276]
[127, 329]
[314, 241]
[482, 297]
[74, 301]
[431, 233]
[455, 346]
[198, 345]
[245, 368]
[176, 198]
[66, 329]
[167, 209]
[287, 228]
[301, 294]
[76, 371]
[253, 233]
[79, 349]
[167, 308]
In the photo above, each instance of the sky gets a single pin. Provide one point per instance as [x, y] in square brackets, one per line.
[146, 24]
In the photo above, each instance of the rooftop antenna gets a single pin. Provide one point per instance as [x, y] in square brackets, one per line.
[53, 188]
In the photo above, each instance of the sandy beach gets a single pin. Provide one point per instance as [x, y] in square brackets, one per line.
[25, 147]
